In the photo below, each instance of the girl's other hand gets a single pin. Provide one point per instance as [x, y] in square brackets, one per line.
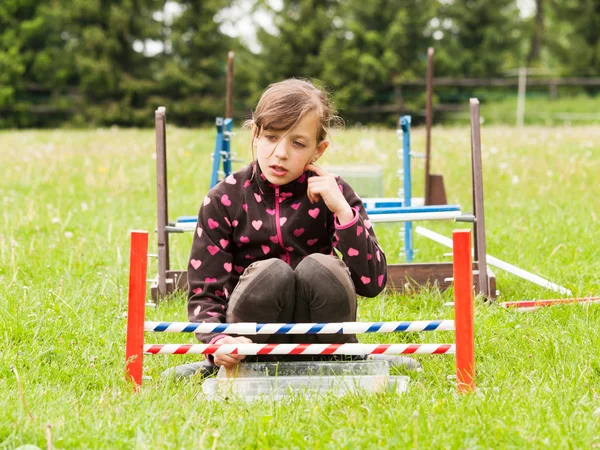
[230, 361]
[325, 186]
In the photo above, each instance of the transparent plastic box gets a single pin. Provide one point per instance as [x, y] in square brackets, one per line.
[275, 381]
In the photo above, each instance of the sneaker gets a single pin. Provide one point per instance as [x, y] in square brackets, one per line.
[202, 368]
[398, 362]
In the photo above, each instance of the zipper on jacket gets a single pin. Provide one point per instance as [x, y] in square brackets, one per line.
[286, 255]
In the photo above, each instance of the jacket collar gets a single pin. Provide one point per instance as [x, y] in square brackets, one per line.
[266, 188]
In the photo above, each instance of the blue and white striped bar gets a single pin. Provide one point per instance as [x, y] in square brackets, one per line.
[250, 328]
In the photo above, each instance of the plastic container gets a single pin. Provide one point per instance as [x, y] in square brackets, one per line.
[306, 368]
[366, 180]
[274, 381]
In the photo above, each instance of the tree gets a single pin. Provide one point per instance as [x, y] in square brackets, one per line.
[114, 79]
[577, 45]
[537, 35]
[34, 68]
[295, 50]
[194, 66]
[375, 46]
[477, 37]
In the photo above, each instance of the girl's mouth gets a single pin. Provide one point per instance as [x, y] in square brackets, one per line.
[278, 170]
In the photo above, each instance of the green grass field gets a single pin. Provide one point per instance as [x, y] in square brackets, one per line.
[69, 199]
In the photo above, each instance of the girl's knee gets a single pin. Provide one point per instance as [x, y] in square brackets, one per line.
[264, 286]
[322, 267]
[271, 275]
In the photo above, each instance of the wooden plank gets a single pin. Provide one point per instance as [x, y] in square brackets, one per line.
[416, 276]
[478, 212]
[437, 192]
[229, 91]
[400, 277]
[175, 280]
[162, 206]
[428, 119]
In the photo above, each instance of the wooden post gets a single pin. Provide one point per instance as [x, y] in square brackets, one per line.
[463, 310]
[435, 193]
[428, 120]
[138, 266]
[229, 92]
[162, 206]
[521, 96]
[478, 212]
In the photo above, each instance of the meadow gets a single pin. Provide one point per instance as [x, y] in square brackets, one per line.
[69, 199]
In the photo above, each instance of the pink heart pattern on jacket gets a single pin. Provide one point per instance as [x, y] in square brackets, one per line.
[244, 219]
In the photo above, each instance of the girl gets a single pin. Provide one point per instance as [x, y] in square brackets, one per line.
[263, 248]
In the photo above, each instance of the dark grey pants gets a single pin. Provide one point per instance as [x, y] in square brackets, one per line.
[319, 290]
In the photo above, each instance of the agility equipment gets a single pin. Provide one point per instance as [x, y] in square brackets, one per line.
[410, 276]
[532, 305]
[297, 328]
[382, 211]
[401, 277]
[499, 264]
[462, 325]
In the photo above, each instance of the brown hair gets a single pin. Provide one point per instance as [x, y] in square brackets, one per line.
[285, 103]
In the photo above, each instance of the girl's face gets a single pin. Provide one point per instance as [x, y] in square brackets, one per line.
[283, 154]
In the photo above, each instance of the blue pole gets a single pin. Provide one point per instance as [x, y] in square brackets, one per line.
[228, 125]
[405, 126]
[214, 179]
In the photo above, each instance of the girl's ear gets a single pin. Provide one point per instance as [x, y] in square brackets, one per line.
[320, 150]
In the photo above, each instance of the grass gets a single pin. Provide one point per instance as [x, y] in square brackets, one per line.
[69, 199]
[565, 110]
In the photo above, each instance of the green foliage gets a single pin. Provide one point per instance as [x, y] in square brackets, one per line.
[84, 63]
[578, 47]
[376, 45]
[480, 38]
[194, 71]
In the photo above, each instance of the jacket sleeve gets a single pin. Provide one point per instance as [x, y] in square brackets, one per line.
[359, 248]
[210, 265]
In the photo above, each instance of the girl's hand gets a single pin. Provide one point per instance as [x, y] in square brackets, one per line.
[324, 186]
[230, 361]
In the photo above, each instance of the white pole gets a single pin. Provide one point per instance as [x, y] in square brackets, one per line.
[499, 263]
[410, 217]
[521, 96]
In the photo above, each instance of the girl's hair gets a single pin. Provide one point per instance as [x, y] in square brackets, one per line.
[284, 104]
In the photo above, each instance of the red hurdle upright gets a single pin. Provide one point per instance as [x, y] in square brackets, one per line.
[136, 314]
[463, 310]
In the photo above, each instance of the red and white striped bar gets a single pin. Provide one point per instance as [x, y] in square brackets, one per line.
[529, 305]
[251, 328]
[300, 349]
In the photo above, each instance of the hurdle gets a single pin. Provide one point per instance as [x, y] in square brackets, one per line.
[462, 325]
[403, 277]
[406, 212]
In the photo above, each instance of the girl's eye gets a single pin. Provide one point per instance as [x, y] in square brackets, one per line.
[299, 144]
[271, 137]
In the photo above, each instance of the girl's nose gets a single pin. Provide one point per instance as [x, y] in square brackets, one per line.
[281, 149]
